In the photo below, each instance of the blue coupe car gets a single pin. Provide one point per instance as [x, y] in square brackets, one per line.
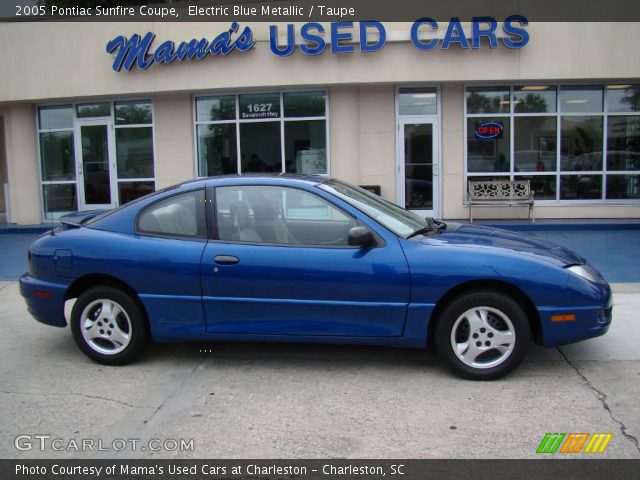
[307, 259]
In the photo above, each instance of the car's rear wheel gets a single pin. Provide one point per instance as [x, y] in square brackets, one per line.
[108, 325]
[482, 335]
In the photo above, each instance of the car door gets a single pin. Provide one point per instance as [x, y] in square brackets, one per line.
[281, 265]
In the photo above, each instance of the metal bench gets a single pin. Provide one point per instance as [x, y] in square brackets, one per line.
[506, 193]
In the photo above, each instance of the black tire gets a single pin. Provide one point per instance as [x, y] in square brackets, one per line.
[501, 340]
[116, 341]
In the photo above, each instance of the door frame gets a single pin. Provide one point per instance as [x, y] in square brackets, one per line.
[432, 120]
[111, 151]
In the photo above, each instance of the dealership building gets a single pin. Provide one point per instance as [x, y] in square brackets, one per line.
[93, 115]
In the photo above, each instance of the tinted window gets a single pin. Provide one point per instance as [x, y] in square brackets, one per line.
[180, 215]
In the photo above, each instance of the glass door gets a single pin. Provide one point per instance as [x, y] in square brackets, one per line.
[418, 165]
[95, 164]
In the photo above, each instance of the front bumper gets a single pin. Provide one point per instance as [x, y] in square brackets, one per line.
[45, 300]
[590, 321]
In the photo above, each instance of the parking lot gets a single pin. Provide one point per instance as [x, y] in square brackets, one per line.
[300, 401]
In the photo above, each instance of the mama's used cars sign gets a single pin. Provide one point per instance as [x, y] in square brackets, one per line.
[313, 39]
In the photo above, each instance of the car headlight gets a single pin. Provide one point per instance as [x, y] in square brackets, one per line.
[585, 271]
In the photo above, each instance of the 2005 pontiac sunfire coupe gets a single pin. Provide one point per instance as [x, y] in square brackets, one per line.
[307, 259]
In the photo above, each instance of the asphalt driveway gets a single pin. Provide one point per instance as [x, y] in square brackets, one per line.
[296, 401]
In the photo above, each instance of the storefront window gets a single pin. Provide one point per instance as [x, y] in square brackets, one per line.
[579, 99]
[57, 156]
[305, 150]
[574, 151]
[54, 118]
[488, 100]
[217, 152]
[271, 132]
[623, 142]
[488, 154]
[582, 147]
[216, 108]
[535, 147]
[260, 147]
[534, 99]
[259, 105]
[417, 101]
[134, 150]
[623, 98]
[73, 180]
[88, 110]
[623, 187]
[304, 104]
[133, 112]
[60, 198]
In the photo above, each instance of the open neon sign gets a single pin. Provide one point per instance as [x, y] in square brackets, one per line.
[489, 130]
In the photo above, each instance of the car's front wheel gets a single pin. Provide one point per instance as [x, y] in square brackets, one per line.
[482, 335]
[108, 325]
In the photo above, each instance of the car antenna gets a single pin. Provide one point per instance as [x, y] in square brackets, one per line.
[52, 233]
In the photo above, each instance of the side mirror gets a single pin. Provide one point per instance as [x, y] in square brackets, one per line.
[361, 237]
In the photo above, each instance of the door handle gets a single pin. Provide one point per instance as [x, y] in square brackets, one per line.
[226, 259]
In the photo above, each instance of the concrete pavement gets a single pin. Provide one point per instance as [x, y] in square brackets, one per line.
[300, 401]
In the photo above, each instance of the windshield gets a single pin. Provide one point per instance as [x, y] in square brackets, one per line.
[400, 221]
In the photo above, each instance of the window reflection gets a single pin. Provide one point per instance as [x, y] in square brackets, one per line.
[534, 99]
[580, 99]
[583, 148]
[623, 98]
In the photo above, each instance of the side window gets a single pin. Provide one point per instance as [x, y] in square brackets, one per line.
[279, 215]
[180, 215]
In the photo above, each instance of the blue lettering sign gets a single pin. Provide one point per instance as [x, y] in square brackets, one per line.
[382, 37]
[316, 40]
[488, 32]
[522, 36]
[289, 47]
[415, 28]
[455, 34]
[136, 50]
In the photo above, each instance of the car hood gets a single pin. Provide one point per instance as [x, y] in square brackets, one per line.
[473, 235]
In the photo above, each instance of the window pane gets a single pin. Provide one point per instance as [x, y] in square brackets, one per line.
[94, 110]
[181, 215]
[260, 147]
[544, 186]
[417, 101]
[216, 108]
[488, 100]
[60, 198]
[487, 154]
[304, 104]
[623, 143]
[623, 187]
[534, 99]
[581, 147]
[55, 117]
[57, 156]
[305, 146]
[257, 214]
[581, 99]
[535, 144]
[128, 191]
[133, 112]
[580, 187]
[134, 149]
[217, 151]
[260, 105]
[623, 98]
